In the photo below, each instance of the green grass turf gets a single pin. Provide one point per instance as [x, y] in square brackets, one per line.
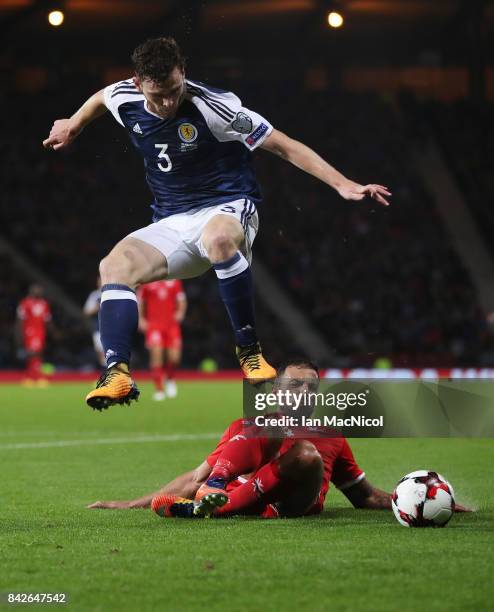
[345, 559]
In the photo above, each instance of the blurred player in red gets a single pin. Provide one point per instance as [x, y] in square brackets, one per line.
[162, 307]
[33, 317]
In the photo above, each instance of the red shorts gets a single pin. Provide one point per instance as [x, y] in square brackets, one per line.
[169, 338]
[34, 343]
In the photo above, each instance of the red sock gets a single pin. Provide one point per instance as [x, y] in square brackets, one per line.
[34, 367]
[170, 370]
[157, 374]
[244, 455]
[260, 489]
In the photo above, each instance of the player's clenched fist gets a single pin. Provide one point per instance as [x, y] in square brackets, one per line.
[61, 135]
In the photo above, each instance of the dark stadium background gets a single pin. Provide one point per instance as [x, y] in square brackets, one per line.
[404, 286]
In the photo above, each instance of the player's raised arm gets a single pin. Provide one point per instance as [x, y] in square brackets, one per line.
[309, 161]
[65, 131]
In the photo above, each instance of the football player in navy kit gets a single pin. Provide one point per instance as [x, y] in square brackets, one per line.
[196, 141]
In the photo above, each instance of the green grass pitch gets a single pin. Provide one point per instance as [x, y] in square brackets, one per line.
[56, 456]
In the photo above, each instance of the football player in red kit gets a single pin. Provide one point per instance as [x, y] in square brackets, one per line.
[266, 476]
[162, 307]
[33, 316]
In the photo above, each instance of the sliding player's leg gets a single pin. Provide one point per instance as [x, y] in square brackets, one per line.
[130, 263]
[181, 507]
[223, 239]
[286, 486]
[241, 455]
[292, 482]
[183, 486]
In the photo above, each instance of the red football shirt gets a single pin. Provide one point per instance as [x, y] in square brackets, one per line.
[34, 313]
[340, 466]
[159, 301]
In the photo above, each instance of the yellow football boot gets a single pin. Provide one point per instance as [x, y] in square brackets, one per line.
[115, 386]
[254, 367]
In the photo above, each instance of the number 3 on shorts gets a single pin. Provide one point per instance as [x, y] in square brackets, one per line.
[163, 155]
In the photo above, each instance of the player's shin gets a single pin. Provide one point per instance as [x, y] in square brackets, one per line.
[118, 318]
[236, 291]
[118, 322]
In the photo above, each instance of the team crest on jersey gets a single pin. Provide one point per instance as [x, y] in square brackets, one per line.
[187, 132]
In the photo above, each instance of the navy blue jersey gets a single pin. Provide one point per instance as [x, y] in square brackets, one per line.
[199, 158]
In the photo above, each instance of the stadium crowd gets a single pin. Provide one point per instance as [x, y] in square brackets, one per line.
[374, 282]
[465, 132]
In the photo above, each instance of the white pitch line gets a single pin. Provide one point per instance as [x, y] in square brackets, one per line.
[157, 438]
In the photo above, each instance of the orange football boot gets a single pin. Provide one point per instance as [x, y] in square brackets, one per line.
[205, 489]
[174, 505]
[115, 386]
[254, 367]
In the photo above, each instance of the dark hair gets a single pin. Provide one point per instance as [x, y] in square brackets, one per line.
[156, 58]
[298, 361]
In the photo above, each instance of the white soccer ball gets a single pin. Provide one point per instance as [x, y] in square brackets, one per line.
[423, 499]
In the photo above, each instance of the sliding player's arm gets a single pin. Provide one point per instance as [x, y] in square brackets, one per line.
[185, 485]
[65, 131]
[462, 508]
[364, 495]
[309, 161]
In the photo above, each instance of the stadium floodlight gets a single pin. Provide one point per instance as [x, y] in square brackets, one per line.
[335, 19]
[55, 18]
